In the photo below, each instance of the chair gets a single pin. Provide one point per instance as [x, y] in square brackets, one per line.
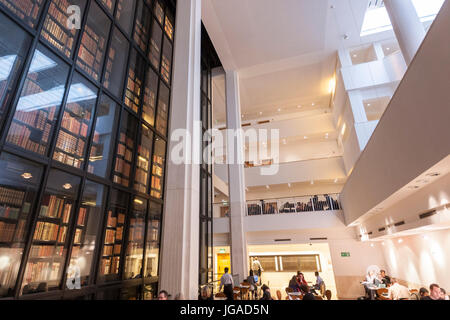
[289, 290]
[328, 294]
[220, 295]
[279, 294]
[380, 293]
[245, 293]
[237, 296]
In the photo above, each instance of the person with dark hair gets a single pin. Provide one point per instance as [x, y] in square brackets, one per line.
[163, 295]
[252, 282]
[266, 293]
[293, 284]
[435, 292]
[320, 284]
[307, 294]
[226, 281]
[444, 295]
[385, 278]
[424, 293]
[301, 281]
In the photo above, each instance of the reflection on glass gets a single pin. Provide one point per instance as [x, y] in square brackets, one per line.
[125, 149]
[14, 45]
[149, 105]
[166, 61]
[85, 238]
[154, 50]
[125, 14]
[19, 183]
[55, 30]
[107, 114]
[39, 102]
[135, 79]
[27, 11]
[143, 161]
[116, 63]
[50, 241]
[135, 243]
[142, 26]
[109, 4]
[112, 244]
[163, 109]
[159, 160]
[168, 25]
[73, 134]
[159, 12]
[152, 245]
[93, 42]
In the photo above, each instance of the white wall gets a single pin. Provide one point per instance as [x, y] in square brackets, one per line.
[420, 261]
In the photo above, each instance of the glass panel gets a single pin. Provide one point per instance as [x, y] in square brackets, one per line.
[203, 251]
[142, 26]
[73, 134]
[112, 244]
[168, 25]
[135, 243]
[159, 12]
[19, 183]
[14, 46]
[93, 43]
[86, 231]
[152, 245]
[131, 293]
[143, 162]
[151, 87]
[55, 30]
[154, 51]
[150, 291]
[305, 263]
[39, 102]
[27, 11]
[50, 242]
[135, 80]
[116, 63]
[163, 109]
[166, 62]
[125, 149]
[99, 158]
[125, 14]
[109, 4]
[159, 159]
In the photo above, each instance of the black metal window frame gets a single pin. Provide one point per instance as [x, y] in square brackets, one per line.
[48, 163]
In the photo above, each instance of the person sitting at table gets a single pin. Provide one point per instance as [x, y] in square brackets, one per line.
[320, 284]
[293, 284]
[266, 293]
[444, 295]
[397, 291]
[423, 292]
[385, 278]
[301, 281]
[205, 294]
[307, 295]
[251, 281]
[370, 279]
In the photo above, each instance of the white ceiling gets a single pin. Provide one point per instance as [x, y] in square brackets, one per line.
[284, 50]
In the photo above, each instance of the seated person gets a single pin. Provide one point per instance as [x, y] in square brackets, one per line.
[320, 284]
[444, 295]
[385, 278]
[253, 283]
[266, 293]
[293, 284]
[206, 294]
[370, 280]
[301, 280]
[397, 291]
[423, 293]
[307, 294]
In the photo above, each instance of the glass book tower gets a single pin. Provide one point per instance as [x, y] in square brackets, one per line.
[83, 122]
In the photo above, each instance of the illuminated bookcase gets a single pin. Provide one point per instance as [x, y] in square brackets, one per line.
[82, 107]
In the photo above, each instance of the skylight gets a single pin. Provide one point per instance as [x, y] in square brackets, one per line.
[377, 19]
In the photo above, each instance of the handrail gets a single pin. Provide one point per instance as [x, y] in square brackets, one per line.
[281, 198]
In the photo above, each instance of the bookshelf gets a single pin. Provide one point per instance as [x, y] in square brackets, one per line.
[55, 31]
[163, 109]
[159, 12]
[166, 61]
[93, 42]
[125, 150]
[27, 11]
[168, 25]
[49, 244]
[156, 187]
[143, 160]
[73, 133]
[142, 26]
[125, 14]
[149, 103]
[135, 241]
[135, 78]
[35, 116]
[154, 51]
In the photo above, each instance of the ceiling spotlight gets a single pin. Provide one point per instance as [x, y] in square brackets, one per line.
[368, 104]
[371, 244]
[284, 141]
[355, 55]
[388, 48]
[313, 104]
[267, 186]
[242, 116]
[382, 243]
[312, 181]
[279, 109]
[433, 174]
[305, 137]
[27, 175]
[299, 106]
[260, 113]
[400, 240]
[289, 185]
[67, 186]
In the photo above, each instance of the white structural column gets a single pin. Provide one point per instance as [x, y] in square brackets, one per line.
[407, 26]
[236, 181]
[179, 265]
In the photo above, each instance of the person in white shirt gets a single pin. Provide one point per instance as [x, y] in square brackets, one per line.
[257, 268]
[226, 281]
[397, 291]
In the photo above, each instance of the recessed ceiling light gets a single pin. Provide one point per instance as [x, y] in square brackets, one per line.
[305, 137]
[371, 244]
[368, 104]
[284, 141]
[382, 243]
[289, 185]
[27, 175]
[313, 104]
[355, 55]
[433, 174]
[400, 240]
[260, 113]
[312, 181]
[299, 106]
[267, 186]
[242, 116]
[388, 48]
[413, 187]
[67, 186]
[279, 109]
